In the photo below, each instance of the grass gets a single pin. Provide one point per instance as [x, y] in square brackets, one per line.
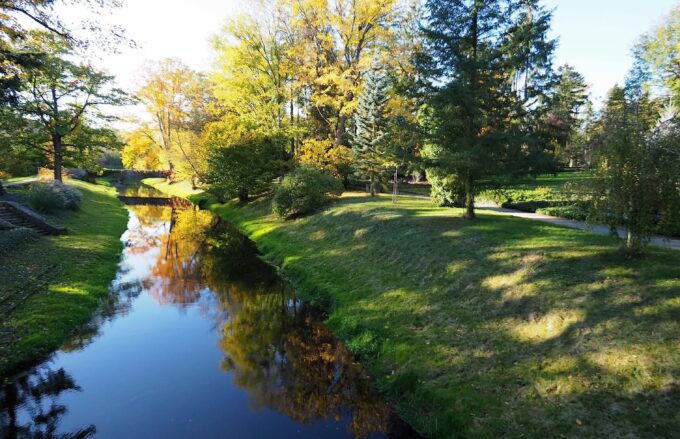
[59, 281]
[177, 189]
[495, 327]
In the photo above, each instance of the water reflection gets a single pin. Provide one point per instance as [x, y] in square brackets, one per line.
[276, 346]
[37, 394]
[273, 347]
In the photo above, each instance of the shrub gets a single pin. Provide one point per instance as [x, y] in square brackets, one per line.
[577, 212]
[48, 197]
[303, 190]
[446, 189]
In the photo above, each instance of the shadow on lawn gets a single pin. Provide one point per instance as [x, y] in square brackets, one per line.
[496, 326]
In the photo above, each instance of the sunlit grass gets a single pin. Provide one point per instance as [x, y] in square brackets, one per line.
[80, 267]
[177, 189]
[496, 327]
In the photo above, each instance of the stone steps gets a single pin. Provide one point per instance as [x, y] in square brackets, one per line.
[20, 216]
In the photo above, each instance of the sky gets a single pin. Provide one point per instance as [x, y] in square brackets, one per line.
[595, 36]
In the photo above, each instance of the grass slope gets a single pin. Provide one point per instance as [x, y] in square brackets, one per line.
[67, 278]
[496, 327]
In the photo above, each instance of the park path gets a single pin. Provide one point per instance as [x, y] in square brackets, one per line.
[17, 183]
[658, 240]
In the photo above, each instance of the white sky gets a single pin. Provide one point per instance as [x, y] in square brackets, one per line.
[595, 36]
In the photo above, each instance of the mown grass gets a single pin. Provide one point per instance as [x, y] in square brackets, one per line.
[177, 189]
[63, 279]
[495, 327]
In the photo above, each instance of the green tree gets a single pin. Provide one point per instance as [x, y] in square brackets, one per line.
[243, 167]
[487, 64]
[565, 103]
[657, 54]
[638, 168]
[61, 102]
[369, 143]
[251, 76]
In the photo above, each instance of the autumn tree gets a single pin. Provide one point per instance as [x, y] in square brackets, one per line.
[62, 102]
[334, 43]
[487, 62]
[176, 99]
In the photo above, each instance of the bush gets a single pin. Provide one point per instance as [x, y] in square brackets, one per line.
[447, 190]
[574, 212]
[49, 197]
[303, 190]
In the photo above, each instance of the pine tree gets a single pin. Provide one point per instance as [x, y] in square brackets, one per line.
[565, 103]
[369, 143]
[487, 63]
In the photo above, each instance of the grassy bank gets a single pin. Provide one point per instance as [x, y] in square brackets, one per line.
[59, 281]
[178, 189]
[496, 327]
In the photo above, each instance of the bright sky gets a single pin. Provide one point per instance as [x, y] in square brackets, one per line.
[595, 36]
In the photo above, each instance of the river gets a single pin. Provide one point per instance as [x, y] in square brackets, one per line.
[199, 339]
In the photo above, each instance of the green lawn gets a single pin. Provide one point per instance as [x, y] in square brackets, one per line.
[65, 278]
[494, 327]
[178, 189]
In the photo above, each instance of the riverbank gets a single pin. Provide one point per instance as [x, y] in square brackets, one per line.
[500, 326]
[60, 281]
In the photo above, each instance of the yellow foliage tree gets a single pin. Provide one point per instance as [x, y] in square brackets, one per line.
[333, 43]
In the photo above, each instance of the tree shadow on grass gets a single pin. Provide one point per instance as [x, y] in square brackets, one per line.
[499, 326]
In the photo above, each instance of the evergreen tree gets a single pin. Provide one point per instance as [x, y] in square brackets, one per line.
[565, 103]
[487, 64]
[369, 143]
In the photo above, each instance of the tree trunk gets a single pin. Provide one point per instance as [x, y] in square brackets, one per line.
[395, 185]
[469, 199]
[2, 189]
[56, 143]
[340, 132]
[372, 186]
[633, 244]
[243, 196]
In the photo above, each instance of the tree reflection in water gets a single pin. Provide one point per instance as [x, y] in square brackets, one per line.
[36, 394]
[276, 347]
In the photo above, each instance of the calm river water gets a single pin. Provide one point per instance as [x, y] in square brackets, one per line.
[199, 339]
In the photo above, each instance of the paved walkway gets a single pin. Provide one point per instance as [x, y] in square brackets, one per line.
[658, 240]
[17, 183]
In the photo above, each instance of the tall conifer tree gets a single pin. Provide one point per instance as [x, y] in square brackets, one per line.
[369, 144]
[487, 63]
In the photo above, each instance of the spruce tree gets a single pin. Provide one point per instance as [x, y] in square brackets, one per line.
[369, 143]
[487, 64]
[565, 103]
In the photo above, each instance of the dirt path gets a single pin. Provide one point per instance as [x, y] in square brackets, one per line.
[658, 240]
